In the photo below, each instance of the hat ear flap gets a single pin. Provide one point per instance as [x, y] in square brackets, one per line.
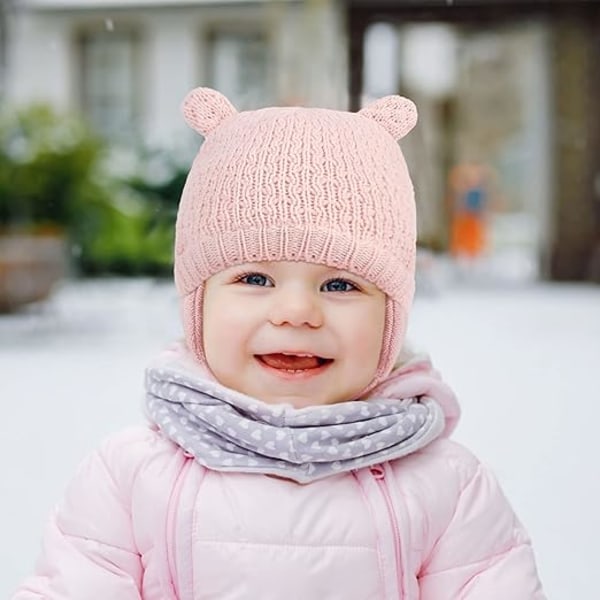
[396, 114]
[204, 109]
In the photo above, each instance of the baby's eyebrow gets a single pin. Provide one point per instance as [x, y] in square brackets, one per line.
[340, 273]
[252, 265]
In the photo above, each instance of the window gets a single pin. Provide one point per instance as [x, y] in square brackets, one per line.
[108, 83]
[239, 68]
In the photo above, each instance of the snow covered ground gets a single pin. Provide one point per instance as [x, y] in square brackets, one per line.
[524, 361]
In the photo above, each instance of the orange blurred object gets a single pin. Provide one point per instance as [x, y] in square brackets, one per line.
[467, 235]
[469, 190]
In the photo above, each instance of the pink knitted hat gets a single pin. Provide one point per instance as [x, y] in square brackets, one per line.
[299, 184]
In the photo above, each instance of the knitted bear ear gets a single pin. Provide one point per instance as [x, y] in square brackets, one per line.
[396, 114]
[205, 109]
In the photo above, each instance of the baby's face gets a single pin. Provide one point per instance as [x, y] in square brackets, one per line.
[293, 332]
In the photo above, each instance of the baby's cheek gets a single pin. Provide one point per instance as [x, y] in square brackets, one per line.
[367, 348]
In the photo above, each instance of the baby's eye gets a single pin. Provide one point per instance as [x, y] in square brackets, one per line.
[338, 285]
[254, 279]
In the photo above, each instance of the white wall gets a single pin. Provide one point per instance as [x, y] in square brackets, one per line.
[172, 58]
[39, 60]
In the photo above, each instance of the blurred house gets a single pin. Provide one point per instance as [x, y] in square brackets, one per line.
[127, 64]
[506, 86]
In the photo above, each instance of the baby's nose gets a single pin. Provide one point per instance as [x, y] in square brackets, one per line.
[296, 308]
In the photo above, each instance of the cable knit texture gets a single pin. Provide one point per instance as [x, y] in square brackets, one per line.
[299, 184]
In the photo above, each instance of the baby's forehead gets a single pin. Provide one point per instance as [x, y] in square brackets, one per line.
[297, 267]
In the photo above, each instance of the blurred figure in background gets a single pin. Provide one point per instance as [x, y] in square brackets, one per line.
[470, 191]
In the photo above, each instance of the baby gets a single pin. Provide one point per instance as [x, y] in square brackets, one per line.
[290, 454]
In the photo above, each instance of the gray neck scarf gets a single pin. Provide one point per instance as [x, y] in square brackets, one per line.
[225, 430]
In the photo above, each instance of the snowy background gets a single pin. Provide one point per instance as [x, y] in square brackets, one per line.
[523, 359]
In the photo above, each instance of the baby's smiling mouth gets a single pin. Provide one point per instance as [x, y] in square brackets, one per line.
[290, 362]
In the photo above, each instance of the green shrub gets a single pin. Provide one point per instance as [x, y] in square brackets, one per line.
[46, 164]
[124, 237]
[52, 175]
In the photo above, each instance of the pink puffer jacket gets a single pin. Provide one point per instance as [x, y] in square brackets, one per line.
[141, 520]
